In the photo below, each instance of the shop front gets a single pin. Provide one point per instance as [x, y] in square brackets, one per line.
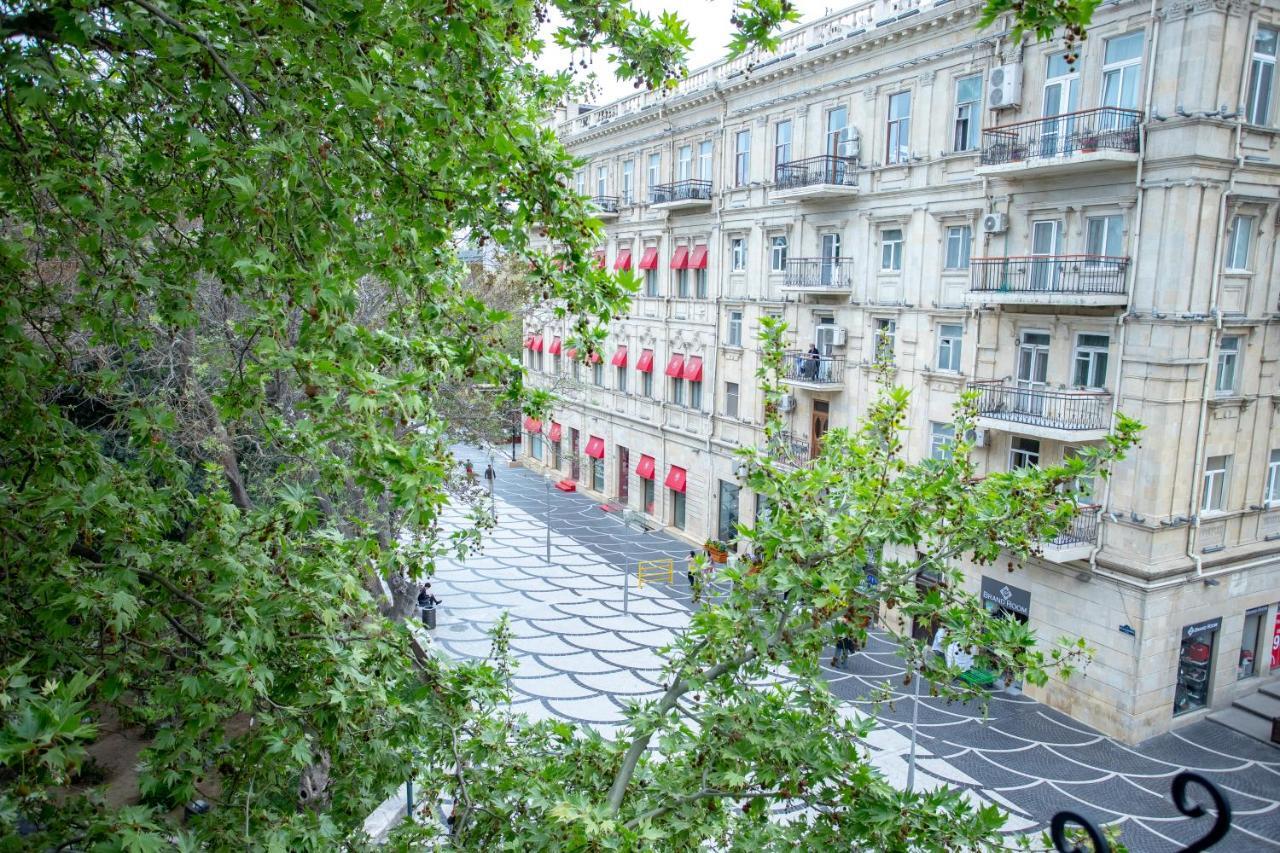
[1193, 689]
[1002, 599]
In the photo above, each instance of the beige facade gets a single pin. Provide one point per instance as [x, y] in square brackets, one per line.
[1119, 254]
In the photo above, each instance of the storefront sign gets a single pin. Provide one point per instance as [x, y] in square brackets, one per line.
[1275, 644]
[1261, 608]
[1006, 597]
[1201, 628]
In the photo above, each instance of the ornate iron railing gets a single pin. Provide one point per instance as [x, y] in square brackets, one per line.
[819, 273]
[800, 366]
[1071, 410]
[1059, 826]
[792, 449]
[1048, 274]
[605, 203]
[1063, 135]
[680, 191]
[1083, 529]
[827, 169]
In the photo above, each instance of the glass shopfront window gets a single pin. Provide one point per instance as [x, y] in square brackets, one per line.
[1247, 667]
[1195, 666]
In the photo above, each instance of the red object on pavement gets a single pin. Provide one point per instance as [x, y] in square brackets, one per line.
[567, 486]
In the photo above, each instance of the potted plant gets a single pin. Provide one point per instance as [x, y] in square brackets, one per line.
[718, 550]
[1088, 141]
[1017, 152]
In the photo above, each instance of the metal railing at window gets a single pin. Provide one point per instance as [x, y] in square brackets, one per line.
[793, 450]
[1037, 406]
[680, 191]
[819, 273]
[1049, 274]
[827, 169]
[1064, 135]
[605, 203]
[1083, 528]
[801, 366]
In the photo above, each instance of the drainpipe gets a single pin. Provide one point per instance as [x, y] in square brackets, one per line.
[710, 370]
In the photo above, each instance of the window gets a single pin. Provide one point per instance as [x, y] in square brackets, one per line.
[628, 181]
[646, 384]
[682, 283]
[838, 141]
[704, 160]
[677, 390]
[1091, 361]
[1083, 488]
[950, 337]
[1215, 483]
[650, 282]
[782, 143]
[891, 249]
[942, 438]
[885, 332]
[1262, 72]
[742, 158]
[695, 393]
[555, 364]
[597, 373]
[684, 162]
[655, 170]
[700, 283]
[968, 113]
[1272, 495]
[898, 146]
[647, 489]
[535, 445]
[731, 403]
[735, 328]
[1228, 365]
[622, 379]
[677, 509]
[1247, 665]
[580, 182]
[597, 474]
[577, 370]
[1121, 69]
[538, 357]
[1238, 242]
[778, 254]
[737, 254]
[1024, 453]
[602, 180]
[959, 238]
[1104, 236]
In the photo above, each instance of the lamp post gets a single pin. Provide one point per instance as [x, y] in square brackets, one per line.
[915, 715]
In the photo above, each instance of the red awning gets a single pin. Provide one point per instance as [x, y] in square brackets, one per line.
[554, 349]
[676, 479]
[675, 366]
[600, 259]
[594, 358]
[595, 447]
[571, 352]
[536, 345]
[698, 260]
[619, 358]
[680, 260]
[649, 260]
[623, 261]
[528, 341]
[554, 434]
[532, 425]
[693, 369]
[645, 468]
[644, 364]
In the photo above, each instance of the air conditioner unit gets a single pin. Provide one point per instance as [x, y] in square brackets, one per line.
[1004, 87]
[839, 337]
[995, 223]
[979, 438]
[787, 403]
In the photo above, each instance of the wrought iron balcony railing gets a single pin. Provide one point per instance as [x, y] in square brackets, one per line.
[1064, 135]
[792, 449]
[1069, 410]
[1049, 274]
[800, 366]
[819, 273]
[826, 169]
[1083, 529]
[687, 190]
[605, 203]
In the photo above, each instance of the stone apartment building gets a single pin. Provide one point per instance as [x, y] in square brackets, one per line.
[1070, 238]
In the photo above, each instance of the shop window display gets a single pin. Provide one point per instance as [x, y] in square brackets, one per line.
[1247, 667]
[1195, 666]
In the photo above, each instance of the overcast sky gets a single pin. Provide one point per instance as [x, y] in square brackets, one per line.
[709, 25]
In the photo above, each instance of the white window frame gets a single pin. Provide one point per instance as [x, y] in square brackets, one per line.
[628, 181]
[1089, 356]
[898, 130]
[1019, 452]
[1271, 495]
[706, 151]
[732, 399]
[737, 254]
[942, 439]
[891, 249]
[654, 176]
[959, 246]
[1217, 474]
[967, 128]
[1262, 81]
[950, 347]
[1119, 70]
[602, 181]
[651, 283]
[1226, 379]
[778, 248]
[884, 345]
[597, 374]
[695, 394]
[677, 390]
[1104, 236]
[742, 158]
[622, 379]
[646, 383]
[734, 333]
[1240, 242]
[782, 147]
[684, 162]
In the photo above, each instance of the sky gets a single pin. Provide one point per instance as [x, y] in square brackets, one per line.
[708, 22]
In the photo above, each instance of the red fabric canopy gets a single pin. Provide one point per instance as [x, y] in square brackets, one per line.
[693, 369]
[644, 364]
[533, 425]
[595, 447]
[623, 261]
[536, 344]
[676, 479]
[620, 357]
[649, 260]
[571, 352]
[698, 260]
[554, 434]
[675, 366]
[680, 260]
[554, 349]
[594, 358]
[600, 258]
[645, 468]
[528, 341]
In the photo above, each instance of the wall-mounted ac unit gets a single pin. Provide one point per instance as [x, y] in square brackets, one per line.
[979, 438]
[1004, 87]
[787, 403]
[995, 223]
[839, 337]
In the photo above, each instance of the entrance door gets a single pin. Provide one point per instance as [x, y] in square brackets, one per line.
[1033, 368]
[624, 475]
[1061, 98]
[830, 259]
[838, 138]
[824, 336]
[575, 459]
[818, 425]
[1046, 243]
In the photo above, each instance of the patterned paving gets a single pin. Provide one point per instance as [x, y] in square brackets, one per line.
[586, 647]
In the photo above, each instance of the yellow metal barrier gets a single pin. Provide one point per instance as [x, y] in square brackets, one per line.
[651, 570]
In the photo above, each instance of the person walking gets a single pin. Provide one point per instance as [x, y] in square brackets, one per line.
[844, 648]
[470, 472]
[489, 477]
[695, 588]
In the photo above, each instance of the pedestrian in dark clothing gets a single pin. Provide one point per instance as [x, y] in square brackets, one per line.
[694, 586]
[490, 476]
[427, 602]
[814, 356]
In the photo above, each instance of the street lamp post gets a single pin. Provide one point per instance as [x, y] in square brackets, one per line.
[546, 484]
[915, 715]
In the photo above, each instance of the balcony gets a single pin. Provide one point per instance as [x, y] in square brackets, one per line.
[1077, 541]
[832, 276]
[794, 451]
[1055, 280]
[816, 177]
[681, 195]
[817, 372]
[1072, 416]
[606, 206]
[1106, 136]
